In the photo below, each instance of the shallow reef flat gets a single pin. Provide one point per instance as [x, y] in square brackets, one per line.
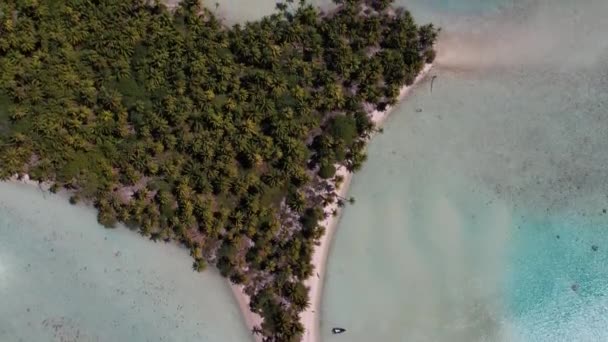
[63, 277]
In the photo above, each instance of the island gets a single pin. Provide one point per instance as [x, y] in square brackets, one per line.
[232, 141]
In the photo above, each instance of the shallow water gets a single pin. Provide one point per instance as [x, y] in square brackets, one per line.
[481, 217]
[65, 278]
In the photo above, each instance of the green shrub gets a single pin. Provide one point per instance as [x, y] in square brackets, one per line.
[327, 170]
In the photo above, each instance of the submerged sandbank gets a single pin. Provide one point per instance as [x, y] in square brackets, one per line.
[65, 277]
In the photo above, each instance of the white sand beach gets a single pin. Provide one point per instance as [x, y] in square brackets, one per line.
[252, 319]
[310, 317]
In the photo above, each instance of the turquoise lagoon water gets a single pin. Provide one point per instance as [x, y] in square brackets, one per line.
[482, 218]
[65, 278]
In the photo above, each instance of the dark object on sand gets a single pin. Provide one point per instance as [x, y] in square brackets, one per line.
[338, 330]
[557, 236]
[604, 211]
[418, 110]
[574, 287]
[594, 248]
[433, 80]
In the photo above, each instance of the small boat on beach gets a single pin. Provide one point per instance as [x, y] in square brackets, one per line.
[338, 330]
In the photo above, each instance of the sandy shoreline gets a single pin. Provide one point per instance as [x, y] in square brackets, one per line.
[252, 319]
[310, 318]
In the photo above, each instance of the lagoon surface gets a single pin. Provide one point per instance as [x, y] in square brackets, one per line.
[483, 217]
[65, 278]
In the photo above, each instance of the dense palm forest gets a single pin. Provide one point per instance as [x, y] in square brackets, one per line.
[222, 138]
